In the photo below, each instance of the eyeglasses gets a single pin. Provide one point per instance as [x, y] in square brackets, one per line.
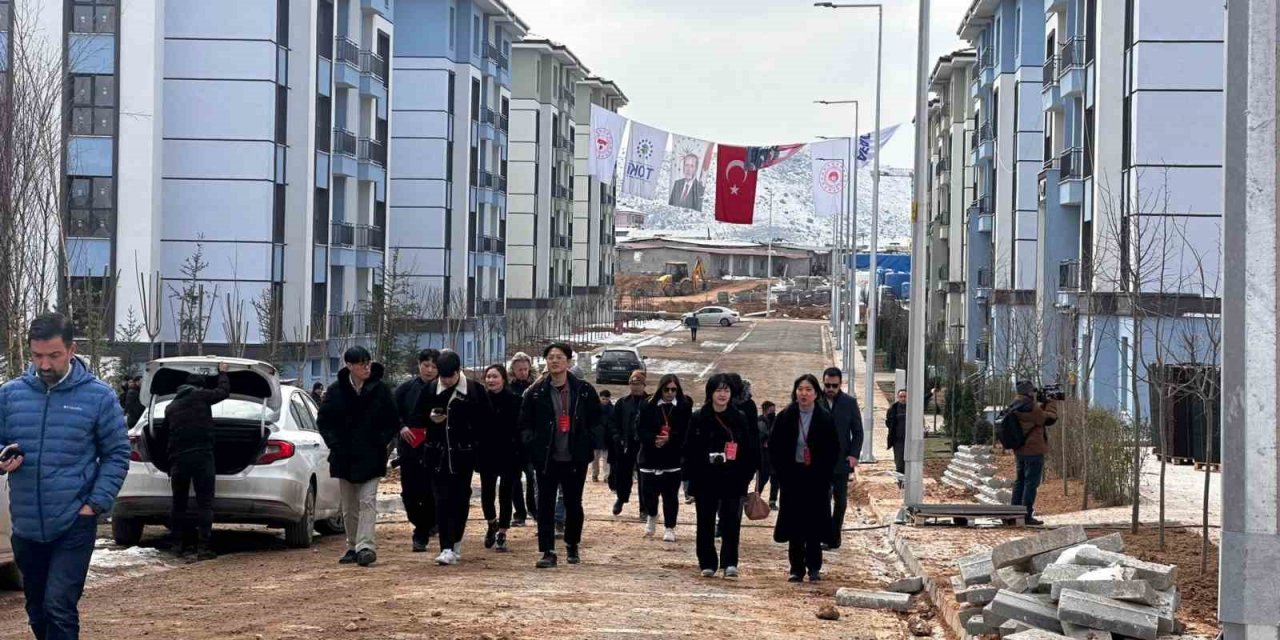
[832, 386]
[671, 390]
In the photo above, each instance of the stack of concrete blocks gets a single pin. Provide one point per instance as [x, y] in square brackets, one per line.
[1063, 584]
[974, 467]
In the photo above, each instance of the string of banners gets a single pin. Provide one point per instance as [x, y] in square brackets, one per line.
[736, 167]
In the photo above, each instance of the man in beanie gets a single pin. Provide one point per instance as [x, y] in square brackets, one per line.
[625, 442]
[1034, 416]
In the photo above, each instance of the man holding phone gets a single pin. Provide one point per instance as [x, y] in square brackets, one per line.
[66, 452]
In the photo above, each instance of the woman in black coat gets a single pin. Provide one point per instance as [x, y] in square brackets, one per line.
[721, 456]
[500, 462]
[662, 427]
[803, 450]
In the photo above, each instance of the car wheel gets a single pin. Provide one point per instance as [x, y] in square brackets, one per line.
[127, 532]
[298, 534]
[331, 526]
[10, 577]
[724, 322]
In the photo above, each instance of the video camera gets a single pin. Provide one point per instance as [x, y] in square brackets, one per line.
[1050, 392]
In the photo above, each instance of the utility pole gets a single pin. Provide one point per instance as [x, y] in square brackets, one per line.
[914, 493]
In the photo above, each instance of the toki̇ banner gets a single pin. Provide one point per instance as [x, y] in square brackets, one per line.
[606, 139]
[646, 149]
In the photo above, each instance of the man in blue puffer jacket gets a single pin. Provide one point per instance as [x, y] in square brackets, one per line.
[71, 431]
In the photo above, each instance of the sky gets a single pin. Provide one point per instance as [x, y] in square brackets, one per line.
[748, 71]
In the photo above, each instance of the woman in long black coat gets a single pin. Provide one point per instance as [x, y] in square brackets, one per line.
[803, 450]
[500, 462]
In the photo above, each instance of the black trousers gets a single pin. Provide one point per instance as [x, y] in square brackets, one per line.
[899, 463]
[188, 470]
[417, 495]
[453, 501]
[726, 505]
[499, 484]
[568, 479]
[524, 495]
[666, 485]
[840, 495]
[622, 473]
[805, 554]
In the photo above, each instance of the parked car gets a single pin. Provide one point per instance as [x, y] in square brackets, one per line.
[615, 364]
[10, 577]
[722, 316]
[272, 465]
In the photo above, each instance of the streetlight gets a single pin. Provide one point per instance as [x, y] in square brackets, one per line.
[873, 297]
[914, 449]
[768, 287]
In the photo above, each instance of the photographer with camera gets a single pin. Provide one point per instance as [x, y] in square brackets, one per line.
[1023, 429]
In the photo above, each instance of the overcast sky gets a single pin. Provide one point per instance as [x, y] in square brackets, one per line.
[748, 71]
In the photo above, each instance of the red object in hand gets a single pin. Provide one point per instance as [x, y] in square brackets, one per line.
[731, 451]
[808, 458]
[418, 437]
[665, 431]
[564, 424]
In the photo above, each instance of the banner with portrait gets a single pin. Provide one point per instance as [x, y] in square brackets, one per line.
[691, 160]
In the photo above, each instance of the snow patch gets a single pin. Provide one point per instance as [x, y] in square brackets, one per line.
[105, 556]
[659, 367]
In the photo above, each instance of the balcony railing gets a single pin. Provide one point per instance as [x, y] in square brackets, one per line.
[495, 54]
[504, 124]
[983, 279]
[986, 133]
[559, 142]
[1051, 71]
[347, 51]
[944, 273]
[370, 150]
[566, 94]
[1069, 275]
[980, 205]
[360, 236]
[487, 116]
[558, 191]
[1071, 55]
[485, 180]
[374, 65]
[986, 58]
[940, 167]
[344, 142]
[500, 183]
[1071, 164]
[348, 323]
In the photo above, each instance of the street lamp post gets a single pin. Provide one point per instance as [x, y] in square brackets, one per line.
[869, 401]
[914, 449]
[768, 287]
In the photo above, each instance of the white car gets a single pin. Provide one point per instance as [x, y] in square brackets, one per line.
[10, 578]
[722, 316]
[272, 465]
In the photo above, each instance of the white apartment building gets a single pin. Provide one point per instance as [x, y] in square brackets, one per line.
[595, 251]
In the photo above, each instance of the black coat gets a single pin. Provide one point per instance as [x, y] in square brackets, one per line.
[709, 432]
[406, 398]
[650, 425]
[606, 417]
[453, 445]
[764, 430]
[622, 428]
[518, 387]
[895, 419]
[358, 427]
[500, 438]
[538, 420]
[806, 504]
[190, 417]
[133, 407]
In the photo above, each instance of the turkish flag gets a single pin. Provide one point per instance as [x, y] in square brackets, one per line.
[735, 186]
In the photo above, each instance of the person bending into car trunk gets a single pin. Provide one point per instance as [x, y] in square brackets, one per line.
[559, 425]
[456, 411]
[415, 477]
[189, 418]
[71, 428]
[358, 421]
[721, 456]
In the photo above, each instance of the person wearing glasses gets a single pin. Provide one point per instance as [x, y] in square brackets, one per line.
[803, 450]
[663, 426]
[721, 456]
[499, 463]
[848, 422]
[559, 425]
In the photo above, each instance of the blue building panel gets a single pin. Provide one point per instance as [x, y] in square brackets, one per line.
[89, 156]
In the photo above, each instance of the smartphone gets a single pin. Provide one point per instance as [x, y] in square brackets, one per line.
[10, 452]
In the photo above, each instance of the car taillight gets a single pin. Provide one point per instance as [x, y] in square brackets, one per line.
[276, 450]
[135, 449]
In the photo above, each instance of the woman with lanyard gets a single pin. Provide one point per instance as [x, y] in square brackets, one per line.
[803, 450]
[663, 425]
[499, 462]
[721, 457]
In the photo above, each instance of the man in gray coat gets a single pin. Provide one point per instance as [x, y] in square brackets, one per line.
[848, 420]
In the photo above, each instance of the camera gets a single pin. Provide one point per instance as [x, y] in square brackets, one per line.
[1050, 392]
[717, 458]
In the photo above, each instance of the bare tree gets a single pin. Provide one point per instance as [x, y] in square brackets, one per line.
[150, 288]
[268, 309]
[89, 305]
[397, 314]
[192, 306]
[234, 324]
[128, 335]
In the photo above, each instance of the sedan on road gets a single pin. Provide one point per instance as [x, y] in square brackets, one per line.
[615, 364]
[272, 465]
[722, 316]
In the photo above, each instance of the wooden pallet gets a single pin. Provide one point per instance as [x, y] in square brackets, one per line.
[1175, 459]
[963, 515]
[1214, 467]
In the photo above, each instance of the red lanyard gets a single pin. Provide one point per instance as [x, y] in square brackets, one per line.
[726, 429]
[666, 415]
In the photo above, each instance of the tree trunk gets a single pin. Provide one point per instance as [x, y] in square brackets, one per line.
[1134, 359]
[1208, 449]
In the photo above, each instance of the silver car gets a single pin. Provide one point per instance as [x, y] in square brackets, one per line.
[272, 465]
[10, 578]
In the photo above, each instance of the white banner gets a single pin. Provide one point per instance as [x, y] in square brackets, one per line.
[865, 153]
[689, 165]
[830, 159]
[646, 149]
[606, 139]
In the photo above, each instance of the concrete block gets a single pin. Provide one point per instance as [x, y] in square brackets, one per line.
[1033, 582]
[1110, 542]
[1010, 579]
[1011, 627]
[1111, 573]
[1136, 591]
[993, 619]
[957, 587]
[846, 597]
[1058, 573]
[1096, 612]
[1022, 549]
[998, 483]
[980, 594]
[976, 569]
[914, 584]
[1077, 632]
[1161, 576]
[1004, 496]
[1037, 634]
[1167, 609]
[968, 612]
[1027, 609]
[975, 626]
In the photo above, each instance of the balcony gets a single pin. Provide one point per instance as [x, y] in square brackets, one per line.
[983, 140]
[500, 183]
[986, 66]
[504, 124]
[983, 279]
[370, 150]
[357, 236]
[1050, 92]
[1069, 276]
[1070, 174]
[559, 192]
[380, 7]
[344, 142]
[485, 180]
[349, 323]
[487, 120]
[492, 52]
[342, 156]
[1071, 61]
[373, 75]
[346, 68]
[567, 96]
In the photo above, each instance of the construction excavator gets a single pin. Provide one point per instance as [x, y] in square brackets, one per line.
[678, 280]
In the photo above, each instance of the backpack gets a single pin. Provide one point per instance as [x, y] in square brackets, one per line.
[1010, 432]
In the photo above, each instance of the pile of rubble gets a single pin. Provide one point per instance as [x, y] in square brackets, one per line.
[974, 467]
[1068, 586]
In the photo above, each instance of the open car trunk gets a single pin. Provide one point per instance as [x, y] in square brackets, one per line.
[238, 443]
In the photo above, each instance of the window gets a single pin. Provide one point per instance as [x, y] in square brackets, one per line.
[93, 16]
[282, 114]
[475, 99]
[277, 215]
[323, 123]
[320, 217]
[1017, 31]
[476, 36]
[93, 100]
[453, 28]
[324, 29]
[282, 22]
[90, 205]
[4, 16]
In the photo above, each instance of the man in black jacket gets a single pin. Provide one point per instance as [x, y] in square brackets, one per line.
[133, 408]
[626, 444]
[848, 421]
[191, 438]
[559, 424]
[358, 421]
[415, 478]
[895, 421]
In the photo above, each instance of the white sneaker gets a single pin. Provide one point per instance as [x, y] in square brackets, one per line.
[669, 536]
[730, 572]
[650, 527]
[708, 573]
[457, 552]
[445, 558]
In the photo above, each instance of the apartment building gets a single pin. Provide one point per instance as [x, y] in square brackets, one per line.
[449, 143]
[541, 238]
[1104, 205]
[594, 205]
